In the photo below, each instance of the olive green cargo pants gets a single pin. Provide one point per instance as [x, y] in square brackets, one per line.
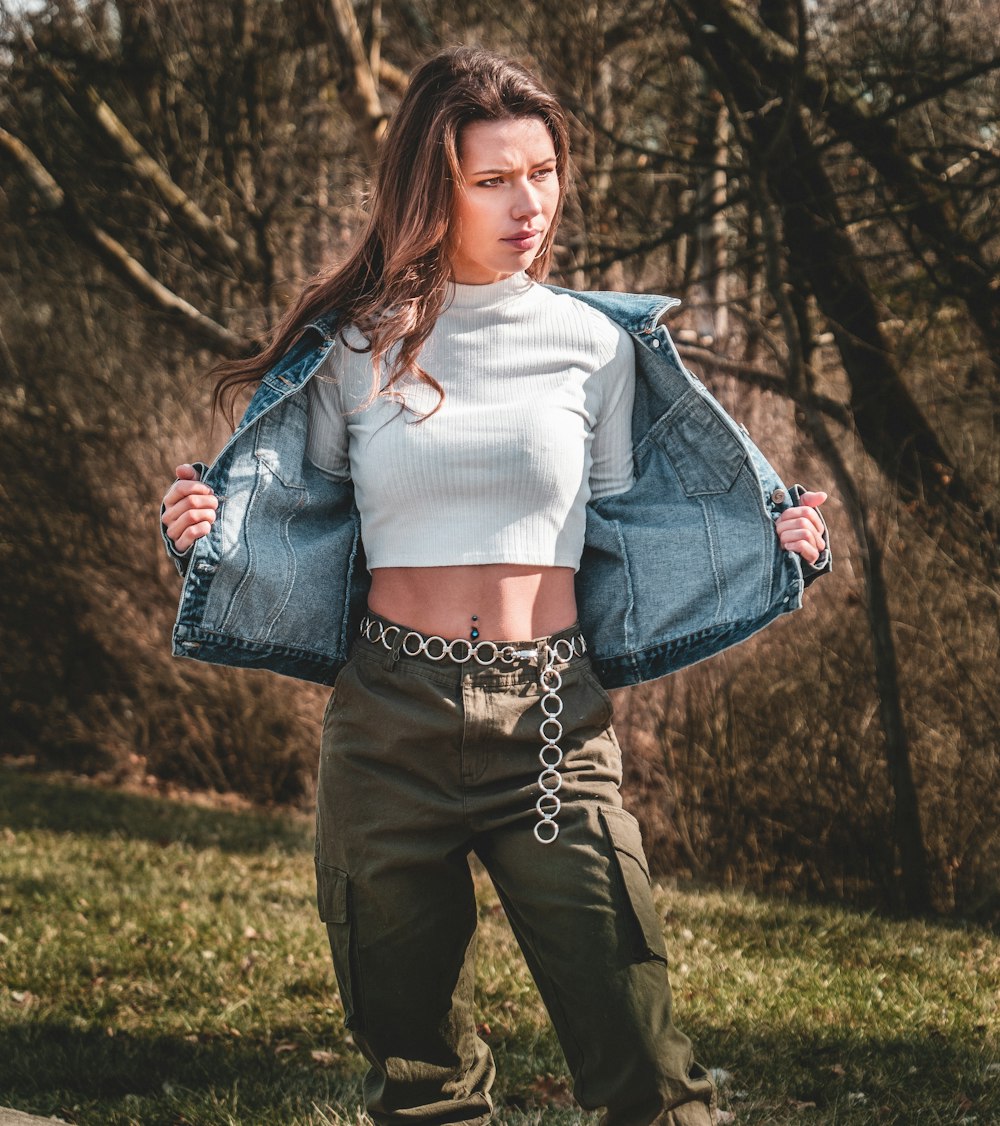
[423, 762]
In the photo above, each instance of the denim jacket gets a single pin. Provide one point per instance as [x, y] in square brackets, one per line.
[682, 565]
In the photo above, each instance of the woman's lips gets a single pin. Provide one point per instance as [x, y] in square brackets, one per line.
[525, 240]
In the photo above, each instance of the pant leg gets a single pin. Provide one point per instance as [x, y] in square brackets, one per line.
[583, 912]
[396, 893]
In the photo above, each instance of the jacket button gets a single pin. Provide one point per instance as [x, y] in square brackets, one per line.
[778, 496]
[654, 343]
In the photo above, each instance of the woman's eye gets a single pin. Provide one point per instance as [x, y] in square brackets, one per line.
[491, 183]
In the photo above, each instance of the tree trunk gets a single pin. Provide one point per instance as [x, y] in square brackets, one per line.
[907, 829]
[711, 311]
[808, 249]
[894, 431]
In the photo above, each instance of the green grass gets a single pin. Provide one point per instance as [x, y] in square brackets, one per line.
[162, 963]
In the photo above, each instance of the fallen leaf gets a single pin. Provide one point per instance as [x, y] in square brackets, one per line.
[323, 1057]
[551, 1090]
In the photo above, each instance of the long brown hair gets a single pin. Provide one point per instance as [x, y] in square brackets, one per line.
[394, 281]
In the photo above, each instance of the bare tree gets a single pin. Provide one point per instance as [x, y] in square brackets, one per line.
[818, 182]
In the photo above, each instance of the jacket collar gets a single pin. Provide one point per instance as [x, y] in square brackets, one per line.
[325, 323]
[638, 313]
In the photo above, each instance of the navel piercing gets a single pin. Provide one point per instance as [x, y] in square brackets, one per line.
[474, 633]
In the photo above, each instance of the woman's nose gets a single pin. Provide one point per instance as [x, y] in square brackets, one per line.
[527, 202]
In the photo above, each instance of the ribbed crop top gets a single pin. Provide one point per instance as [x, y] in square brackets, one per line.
[536, 420]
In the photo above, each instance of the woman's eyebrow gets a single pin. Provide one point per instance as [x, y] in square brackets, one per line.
[505, 171]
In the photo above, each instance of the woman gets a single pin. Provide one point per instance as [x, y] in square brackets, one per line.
[467, 451]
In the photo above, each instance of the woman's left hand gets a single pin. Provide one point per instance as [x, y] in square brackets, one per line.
[800, 529]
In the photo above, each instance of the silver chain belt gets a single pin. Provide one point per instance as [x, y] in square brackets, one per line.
[546, 655]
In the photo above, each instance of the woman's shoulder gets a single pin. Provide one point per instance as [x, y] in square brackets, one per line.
[570, 306]
[609, 339]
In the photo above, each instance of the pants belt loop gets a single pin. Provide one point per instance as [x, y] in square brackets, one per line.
[543, 658]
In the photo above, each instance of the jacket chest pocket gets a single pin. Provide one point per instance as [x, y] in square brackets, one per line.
[705, 454]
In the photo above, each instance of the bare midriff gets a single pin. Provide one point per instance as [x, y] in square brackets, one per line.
[511, 602]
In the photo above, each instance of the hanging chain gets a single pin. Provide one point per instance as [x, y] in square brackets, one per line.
[545, 654]
[551, 755]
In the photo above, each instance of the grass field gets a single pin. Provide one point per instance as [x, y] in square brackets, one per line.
[162, 963]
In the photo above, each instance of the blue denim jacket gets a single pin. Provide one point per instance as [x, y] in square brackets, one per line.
[682, 565]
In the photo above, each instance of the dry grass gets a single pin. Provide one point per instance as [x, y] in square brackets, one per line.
[162, 964]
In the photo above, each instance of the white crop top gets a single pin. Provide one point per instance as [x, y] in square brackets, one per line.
[536, 420]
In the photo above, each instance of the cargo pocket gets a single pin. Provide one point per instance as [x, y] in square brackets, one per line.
[333, 899]
[632, 875]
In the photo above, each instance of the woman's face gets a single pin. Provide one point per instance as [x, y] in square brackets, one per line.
[506, 200]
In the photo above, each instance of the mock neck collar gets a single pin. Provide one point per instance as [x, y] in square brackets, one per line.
[488, 295]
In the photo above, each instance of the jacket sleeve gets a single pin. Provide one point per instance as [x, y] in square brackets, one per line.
[180, 559]
[824, 564]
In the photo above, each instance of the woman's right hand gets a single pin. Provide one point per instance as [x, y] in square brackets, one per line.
[189, 508]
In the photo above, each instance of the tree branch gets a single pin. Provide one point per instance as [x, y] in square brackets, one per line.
[392, 76]
[777, 61]
[146, 169]
[764, 380]
[115, 257]
[821, 258]
[687, 224]
[936, 89]
[359, 90]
